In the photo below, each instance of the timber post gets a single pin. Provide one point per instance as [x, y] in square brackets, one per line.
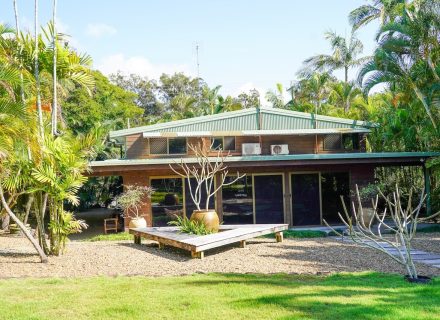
[427, 176]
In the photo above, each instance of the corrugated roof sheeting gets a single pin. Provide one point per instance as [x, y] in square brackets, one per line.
[272, 119]
[243, 122]
[275, 121]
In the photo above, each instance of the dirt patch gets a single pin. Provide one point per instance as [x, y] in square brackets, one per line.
[305, 256]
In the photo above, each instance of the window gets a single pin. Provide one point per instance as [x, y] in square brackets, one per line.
[177, 146]
[332, 142]
[167, 200]
[223, 143]
[229, 143]
[158, 146]
[350, 141]
[216, 143]
[347, 141]
[167, 146]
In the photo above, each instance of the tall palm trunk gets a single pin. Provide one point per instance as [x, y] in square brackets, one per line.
[23, 228]
[37, 77]
[17, 38]
[422, 99]
[55, 102]
[346, 74]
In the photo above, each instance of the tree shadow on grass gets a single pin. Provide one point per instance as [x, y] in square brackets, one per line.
[341, 296]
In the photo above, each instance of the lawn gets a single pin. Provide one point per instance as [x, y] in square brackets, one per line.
[111, 237]
[221, 296]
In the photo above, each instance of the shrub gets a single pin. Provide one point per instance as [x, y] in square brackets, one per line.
[191, 227]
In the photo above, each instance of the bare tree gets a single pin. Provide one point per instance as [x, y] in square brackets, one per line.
[399, 221]
[204, 171]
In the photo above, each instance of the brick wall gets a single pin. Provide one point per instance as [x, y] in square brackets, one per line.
[139, 178]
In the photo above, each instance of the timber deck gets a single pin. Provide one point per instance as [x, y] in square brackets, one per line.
[197, 245]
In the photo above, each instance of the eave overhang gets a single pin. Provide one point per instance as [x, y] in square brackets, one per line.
[376, 158]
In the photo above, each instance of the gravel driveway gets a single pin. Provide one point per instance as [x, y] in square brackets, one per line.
[305, 256]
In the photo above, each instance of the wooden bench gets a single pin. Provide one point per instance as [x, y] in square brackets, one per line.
[197, 245]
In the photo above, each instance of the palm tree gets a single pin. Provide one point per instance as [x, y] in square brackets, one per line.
[54, 73]
[37, 74]
[311, 92]
[344, 56]
[383, 10]
[17, 38]
[343, 95]
[210, 99]
[276, 96]
[416, 35]
[395, 70]
[408, 57]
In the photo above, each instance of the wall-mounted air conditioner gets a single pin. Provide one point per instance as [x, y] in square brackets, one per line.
[276, 149]
[248, 149]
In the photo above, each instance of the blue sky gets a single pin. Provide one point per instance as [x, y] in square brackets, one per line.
[244, 44]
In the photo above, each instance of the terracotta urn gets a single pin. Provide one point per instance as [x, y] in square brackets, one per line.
[208, 217]
[138, 223]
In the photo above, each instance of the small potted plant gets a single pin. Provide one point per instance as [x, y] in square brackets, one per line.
[203, 172]
[131, 200]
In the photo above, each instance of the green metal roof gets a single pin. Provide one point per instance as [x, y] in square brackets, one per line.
[249, 119]
[333, 156]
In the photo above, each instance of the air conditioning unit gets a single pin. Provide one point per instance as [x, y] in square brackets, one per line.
[276, 149]
[248, 149]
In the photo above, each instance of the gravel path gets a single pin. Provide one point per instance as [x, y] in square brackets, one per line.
[305, 256]
[427, 242]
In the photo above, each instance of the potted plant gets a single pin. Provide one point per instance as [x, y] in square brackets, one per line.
[203, 172]
[131, 200]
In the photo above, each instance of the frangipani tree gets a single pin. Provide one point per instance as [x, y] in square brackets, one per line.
[204, 171]
[395, 219]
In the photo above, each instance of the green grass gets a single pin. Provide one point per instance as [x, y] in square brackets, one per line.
[221, 296]
[428, 229]
[300, 234]
[111, 237]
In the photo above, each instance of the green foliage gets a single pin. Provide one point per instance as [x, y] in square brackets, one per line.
[111, 237]
[304, 234]
[190, 226]
[109, 105]
[429, 229]
[301, 234]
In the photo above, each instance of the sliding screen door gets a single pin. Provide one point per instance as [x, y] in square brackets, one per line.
[269, 204]
[305, 199]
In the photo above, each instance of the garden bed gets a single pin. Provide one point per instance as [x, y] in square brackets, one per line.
[303, 256]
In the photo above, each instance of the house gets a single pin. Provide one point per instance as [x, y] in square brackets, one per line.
[297, 165]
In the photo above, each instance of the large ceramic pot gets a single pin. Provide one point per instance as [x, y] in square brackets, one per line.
[138, 223]
[208, 217]
[171, 199]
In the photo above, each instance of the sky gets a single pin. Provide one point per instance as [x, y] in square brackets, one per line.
[243, 44]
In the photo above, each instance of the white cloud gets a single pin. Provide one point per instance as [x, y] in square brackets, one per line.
[138, 65]
[99, 30]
